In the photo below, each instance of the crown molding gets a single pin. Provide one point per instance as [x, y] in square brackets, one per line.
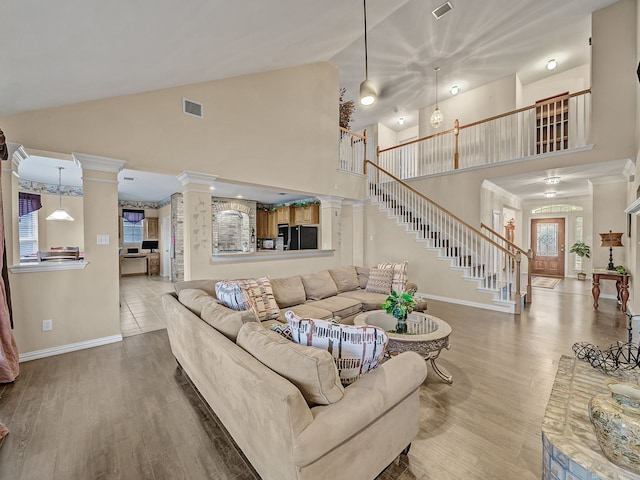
[98, 164]
[197, 178]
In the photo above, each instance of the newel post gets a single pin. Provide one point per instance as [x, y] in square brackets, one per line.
[456, 132]
[518, 294]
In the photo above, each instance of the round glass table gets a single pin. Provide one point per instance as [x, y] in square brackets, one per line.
[426, 335]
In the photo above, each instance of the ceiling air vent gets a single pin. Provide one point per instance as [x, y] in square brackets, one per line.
[191, 108]
[441, 10]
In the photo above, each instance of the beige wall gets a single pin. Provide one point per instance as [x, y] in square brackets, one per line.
[264, 128]
[574, 80]
[486, 101]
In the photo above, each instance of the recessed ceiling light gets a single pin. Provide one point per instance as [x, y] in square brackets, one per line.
[549, 194]
[238, 196]
[552, 180]
[551, 64]
[212, 187]
[401, 121]
[455, 90]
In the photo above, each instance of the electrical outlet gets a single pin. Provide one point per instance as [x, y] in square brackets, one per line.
[47, 325]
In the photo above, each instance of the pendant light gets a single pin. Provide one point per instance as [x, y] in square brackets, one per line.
[60, 214]
[436, 117]
[368, 93]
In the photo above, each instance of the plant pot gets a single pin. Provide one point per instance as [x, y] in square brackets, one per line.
[582, 276]
[616, 420]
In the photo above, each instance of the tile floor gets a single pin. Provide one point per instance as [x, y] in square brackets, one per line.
[140, 305]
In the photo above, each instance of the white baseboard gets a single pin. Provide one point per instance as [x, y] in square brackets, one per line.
[457, 301]
[72, 347]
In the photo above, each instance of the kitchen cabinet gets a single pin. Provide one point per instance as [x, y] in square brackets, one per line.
[283, 215]
[266, 224]
[307, 215]
[152, 228]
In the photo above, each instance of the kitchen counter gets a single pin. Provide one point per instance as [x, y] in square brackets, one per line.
[262, 255]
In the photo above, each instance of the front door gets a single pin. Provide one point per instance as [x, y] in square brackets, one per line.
[547, 243]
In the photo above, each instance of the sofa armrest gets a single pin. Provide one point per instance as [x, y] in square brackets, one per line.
[363, 403]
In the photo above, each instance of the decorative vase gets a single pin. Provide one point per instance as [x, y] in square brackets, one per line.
[616, 420]
[401, 325]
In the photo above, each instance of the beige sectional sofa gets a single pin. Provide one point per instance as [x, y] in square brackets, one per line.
[334, 293]
[356, 434]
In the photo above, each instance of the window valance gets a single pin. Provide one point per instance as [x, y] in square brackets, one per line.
[28, 202]
[133, 216]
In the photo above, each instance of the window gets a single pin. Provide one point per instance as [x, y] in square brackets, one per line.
[557, 209]
[132, 231]
[28, 231]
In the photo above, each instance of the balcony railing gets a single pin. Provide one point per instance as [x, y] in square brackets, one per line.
[554, 125]
[352, 149]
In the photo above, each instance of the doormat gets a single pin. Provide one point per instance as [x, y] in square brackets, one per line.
[544, 282]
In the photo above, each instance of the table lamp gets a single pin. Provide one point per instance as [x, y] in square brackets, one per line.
[611, 240]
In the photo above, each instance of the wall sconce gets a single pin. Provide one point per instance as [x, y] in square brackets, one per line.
[611, 240]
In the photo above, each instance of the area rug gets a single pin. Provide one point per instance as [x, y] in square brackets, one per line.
[545, 282]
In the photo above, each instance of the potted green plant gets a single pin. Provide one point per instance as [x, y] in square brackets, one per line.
[400, 305]
[583, 251]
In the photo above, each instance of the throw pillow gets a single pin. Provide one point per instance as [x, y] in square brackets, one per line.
[310, 369]
[251, 294]
[345, 278]
[399, 275]
[380, 281]
[261, 299]
[282, 329]
[229, 292]
[355, 349]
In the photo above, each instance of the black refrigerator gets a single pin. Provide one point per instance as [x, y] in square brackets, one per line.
[303, 238]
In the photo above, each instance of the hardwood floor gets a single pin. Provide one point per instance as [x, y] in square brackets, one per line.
[124, 410]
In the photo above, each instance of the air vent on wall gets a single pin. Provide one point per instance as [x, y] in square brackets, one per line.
[191, 108]
[441, 10]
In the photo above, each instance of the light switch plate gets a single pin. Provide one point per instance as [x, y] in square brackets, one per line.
[102, 240]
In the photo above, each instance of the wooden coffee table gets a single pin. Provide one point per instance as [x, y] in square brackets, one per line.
[426, 335]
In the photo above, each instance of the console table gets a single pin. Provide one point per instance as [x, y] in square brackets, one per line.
[570, 449]
[622, 286]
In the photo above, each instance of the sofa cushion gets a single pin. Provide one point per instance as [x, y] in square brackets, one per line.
[319, 285]
[342, 307]
[369, 301]
[250, 294]
[225, 320]
[208, 286]
[312, 370]
[288, 291]
[380, 281]
[363, 276]
[355, 349]
[399, 275]
[345, 278]
[195, 299]
[307, 310]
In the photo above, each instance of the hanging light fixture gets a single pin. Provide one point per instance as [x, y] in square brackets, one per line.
[368, 93]
[60, 214]
[436, 117]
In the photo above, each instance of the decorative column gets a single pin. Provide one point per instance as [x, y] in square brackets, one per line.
[100, 212]
[196, 197]
[357, 238]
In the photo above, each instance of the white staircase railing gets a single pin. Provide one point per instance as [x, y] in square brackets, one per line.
[496, 268]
